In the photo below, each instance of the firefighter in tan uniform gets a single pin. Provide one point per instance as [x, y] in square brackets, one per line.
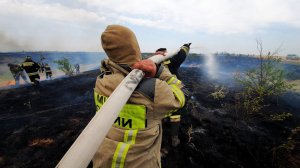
[134, 141]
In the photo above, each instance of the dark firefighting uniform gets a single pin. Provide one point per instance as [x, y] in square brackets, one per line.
[31, 69]
[48, 71]
[173, 65]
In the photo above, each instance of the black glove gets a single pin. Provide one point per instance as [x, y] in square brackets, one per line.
[187, 45]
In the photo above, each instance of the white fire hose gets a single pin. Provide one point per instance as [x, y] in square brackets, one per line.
[83, 149]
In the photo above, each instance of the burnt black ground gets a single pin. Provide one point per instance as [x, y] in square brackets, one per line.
[213, 135]
[39, 124]
[57, 113]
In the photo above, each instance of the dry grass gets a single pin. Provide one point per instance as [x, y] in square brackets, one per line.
[41, 142]
[283, 58]
[287, 154]
[296, 88]
[189, 133]
[297, 62]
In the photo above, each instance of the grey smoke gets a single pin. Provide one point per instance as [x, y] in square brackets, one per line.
[10, 44]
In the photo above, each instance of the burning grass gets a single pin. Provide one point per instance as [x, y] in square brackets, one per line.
[7, 83]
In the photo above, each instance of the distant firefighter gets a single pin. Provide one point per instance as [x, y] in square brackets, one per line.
[42, 64]
[77, 68]
[18, 71]
[31, 68]
[48, 71]
[42, 67]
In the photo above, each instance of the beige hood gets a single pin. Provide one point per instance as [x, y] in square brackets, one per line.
[120, 45]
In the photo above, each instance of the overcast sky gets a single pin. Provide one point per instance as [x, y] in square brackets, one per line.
[211, 25]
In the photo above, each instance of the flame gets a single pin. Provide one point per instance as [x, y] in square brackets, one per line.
[7, 83]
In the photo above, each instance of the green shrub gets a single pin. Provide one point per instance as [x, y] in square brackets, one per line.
[65, 66]
[266, 80]
[219, 93]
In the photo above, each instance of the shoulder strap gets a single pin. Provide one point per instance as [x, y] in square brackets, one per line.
[147, 88]
[118, 67]
[107, 67]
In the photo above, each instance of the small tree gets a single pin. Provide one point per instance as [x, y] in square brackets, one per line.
[264, 81]
[65, 66]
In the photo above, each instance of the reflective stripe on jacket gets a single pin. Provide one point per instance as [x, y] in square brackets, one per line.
[33, 73]
[137, 145]
[132, 116]
[175, 118]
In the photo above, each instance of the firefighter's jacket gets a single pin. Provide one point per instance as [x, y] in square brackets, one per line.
[31, 67]
[134, 141]
[15, 70]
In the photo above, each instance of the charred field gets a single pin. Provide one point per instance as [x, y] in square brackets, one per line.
[39, 124]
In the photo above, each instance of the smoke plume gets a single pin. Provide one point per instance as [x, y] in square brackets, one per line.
[10, 44]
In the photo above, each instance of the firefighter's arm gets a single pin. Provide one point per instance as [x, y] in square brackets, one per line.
[168, 94]
[37, 66]
[168, 97]
[179, 58]
[163, 73]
